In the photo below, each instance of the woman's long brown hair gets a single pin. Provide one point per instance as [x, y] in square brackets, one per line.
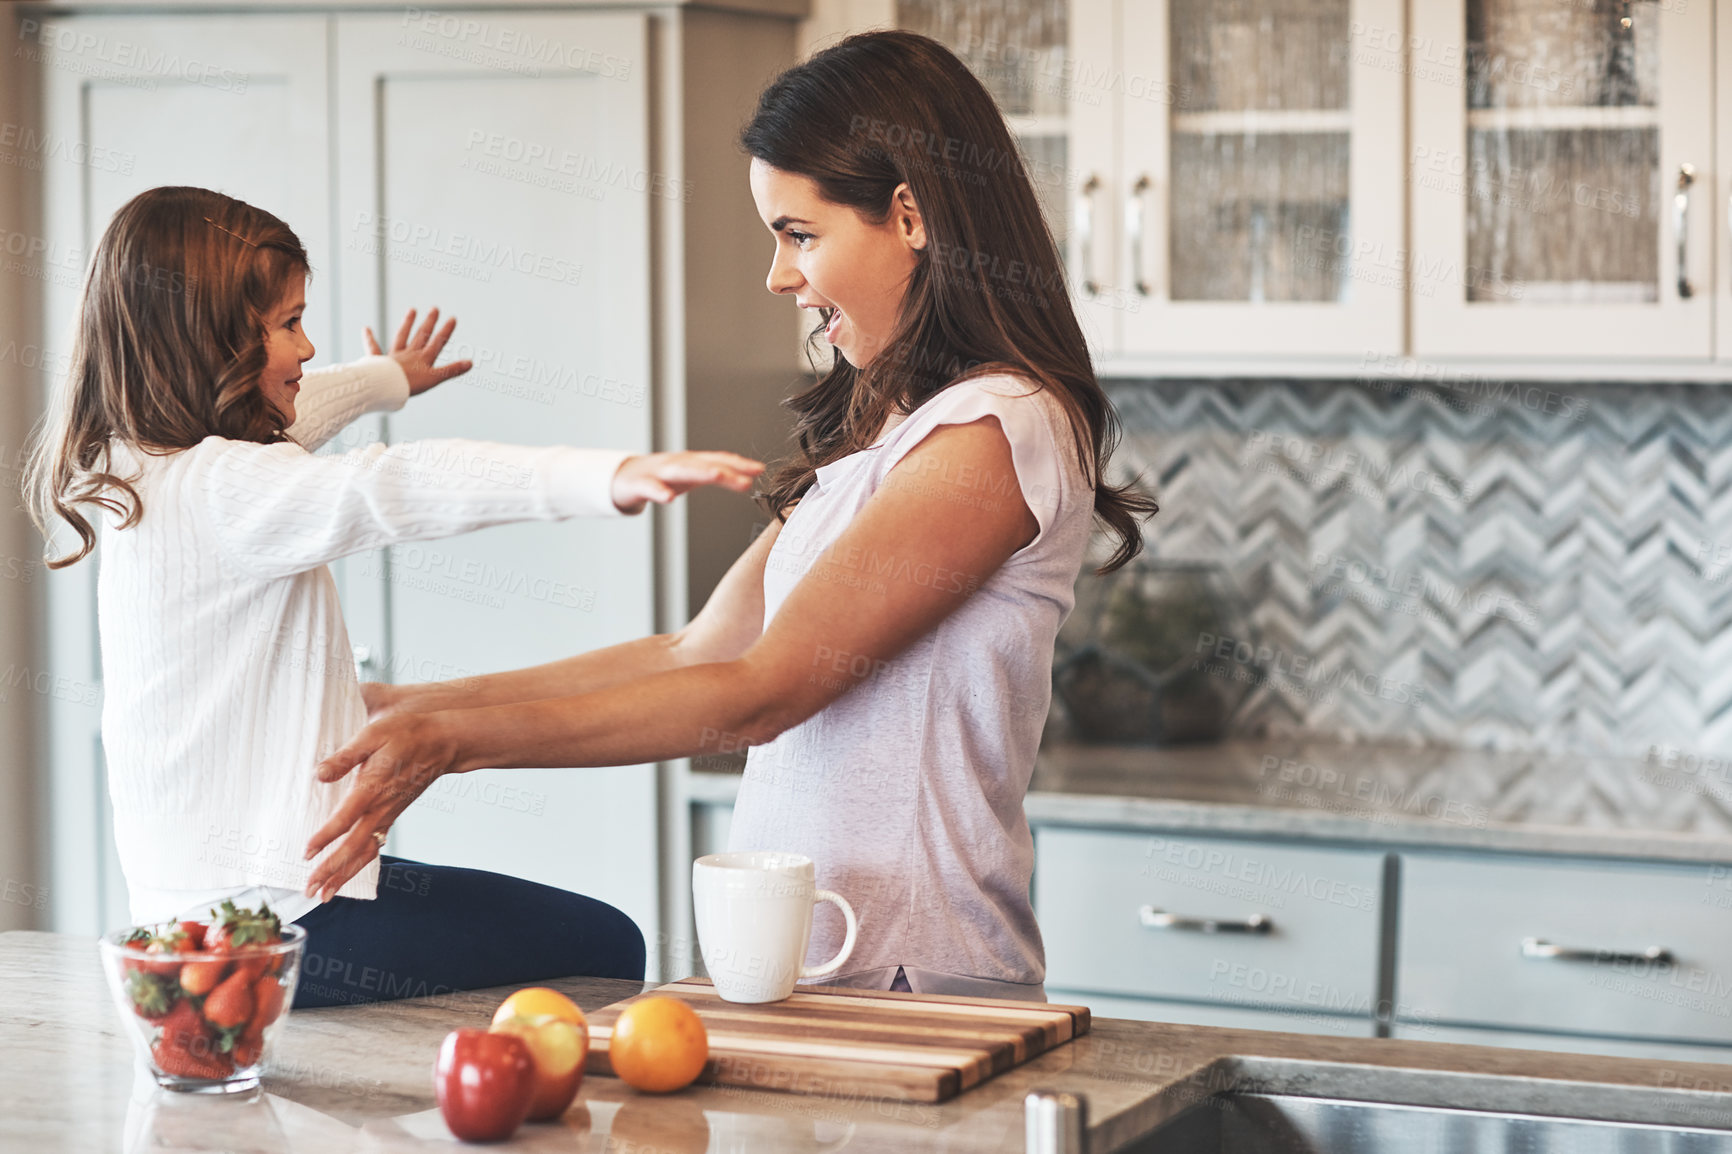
[170, 345]
[987, 295]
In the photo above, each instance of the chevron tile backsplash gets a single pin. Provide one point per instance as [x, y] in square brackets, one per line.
[1542, 566]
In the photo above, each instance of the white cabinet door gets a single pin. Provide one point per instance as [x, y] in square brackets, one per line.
[502, 174]
[1258, 196]
[1548, 142]
[236, 103]
[1093, 175]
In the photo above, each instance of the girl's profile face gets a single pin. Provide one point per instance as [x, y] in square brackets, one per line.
[286, 349]
[832, 259]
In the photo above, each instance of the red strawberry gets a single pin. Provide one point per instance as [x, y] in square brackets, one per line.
[231, 1003]
[154, 940]
[194, 932]
[248, 1047]
[235, 929]
[202, 977]
[267, 1001]
[151, 995]
[186, 1047]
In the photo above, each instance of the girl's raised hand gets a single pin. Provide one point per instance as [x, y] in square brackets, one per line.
[660, 477]
[416, 354]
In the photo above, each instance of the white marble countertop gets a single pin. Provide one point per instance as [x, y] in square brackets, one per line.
[359, 1079]
[1378, 794]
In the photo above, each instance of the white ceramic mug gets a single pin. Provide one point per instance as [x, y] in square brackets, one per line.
[754, 913]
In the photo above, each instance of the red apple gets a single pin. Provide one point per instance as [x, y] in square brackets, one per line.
[559, 1048]
[485, 1083]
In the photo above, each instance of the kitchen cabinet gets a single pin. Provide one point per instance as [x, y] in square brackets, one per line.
[1337, 186]
[1207, 170]
[567, 182]
[1210, 919]
[1566, 1043]
[1622, 948]
[1250, 203]
[1563, 179]
[1225, 1017]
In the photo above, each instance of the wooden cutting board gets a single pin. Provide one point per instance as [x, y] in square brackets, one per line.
[842, 1042]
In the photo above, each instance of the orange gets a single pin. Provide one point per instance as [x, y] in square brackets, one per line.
[535, 1001]
[659, 1044]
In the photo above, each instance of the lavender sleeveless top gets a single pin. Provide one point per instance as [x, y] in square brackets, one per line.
[907, 791]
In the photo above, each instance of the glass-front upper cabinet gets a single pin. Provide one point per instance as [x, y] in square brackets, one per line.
[1561, 178]
[1244, 202]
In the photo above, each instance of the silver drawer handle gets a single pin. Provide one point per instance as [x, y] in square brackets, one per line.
[1134, 226]
[1161, 920]
[1540, 948]
[1681, 226]
[1085, 228]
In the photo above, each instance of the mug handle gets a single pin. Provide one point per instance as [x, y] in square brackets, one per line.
[834, 963]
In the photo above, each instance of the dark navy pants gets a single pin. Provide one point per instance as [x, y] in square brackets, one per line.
[438, 929]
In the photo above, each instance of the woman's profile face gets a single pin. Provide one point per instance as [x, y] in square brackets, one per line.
[832, 259]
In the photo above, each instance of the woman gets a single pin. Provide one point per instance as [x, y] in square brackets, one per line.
[884, 648]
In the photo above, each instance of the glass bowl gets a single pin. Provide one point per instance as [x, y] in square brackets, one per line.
[248, 991]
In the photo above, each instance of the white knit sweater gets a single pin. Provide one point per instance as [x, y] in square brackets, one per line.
[227, 671]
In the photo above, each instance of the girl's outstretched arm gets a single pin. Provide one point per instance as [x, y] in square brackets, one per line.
[938, 551]
[277, 510]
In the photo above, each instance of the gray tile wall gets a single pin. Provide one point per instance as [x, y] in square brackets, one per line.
[1541, 566]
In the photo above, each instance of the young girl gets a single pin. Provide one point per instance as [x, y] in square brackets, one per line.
[884, 650]
[189, 424]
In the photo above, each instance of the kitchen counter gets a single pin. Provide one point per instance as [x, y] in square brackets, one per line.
[358, 1078]
[1670, 807]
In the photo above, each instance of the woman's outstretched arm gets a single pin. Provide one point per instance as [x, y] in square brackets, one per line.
[907, 560]
[724, 629]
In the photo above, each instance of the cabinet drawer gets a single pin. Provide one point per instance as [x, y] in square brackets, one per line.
[1318, 955]
[1464, 923]
[1224, 1017]
[1570, 1044]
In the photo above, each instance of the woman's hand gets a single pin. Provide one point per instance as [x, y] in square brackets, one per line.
[398, 757]
[416, 354]
[380, 699]
[383, 700]
[660, 477]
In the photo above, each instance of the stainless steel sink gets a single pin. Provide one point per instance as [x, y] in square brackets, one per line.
[1256, 1105]
[1257, 1123]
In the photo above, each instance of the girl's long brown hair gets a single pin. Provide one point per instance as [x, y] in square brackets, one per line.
[170, 345]
[988, 293]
